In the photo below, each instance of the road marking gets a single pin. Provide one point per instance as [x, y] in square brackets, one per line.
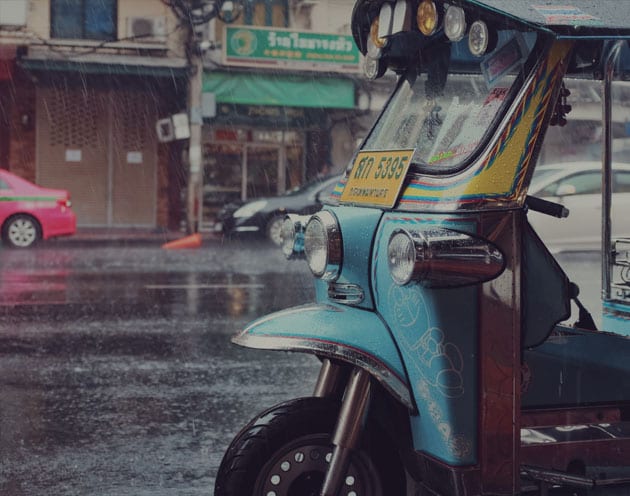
[204, 286]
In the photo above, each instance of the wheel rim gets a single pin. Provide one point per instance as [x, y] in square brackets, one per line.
[299, 469]
[22, 232]
[275, 230]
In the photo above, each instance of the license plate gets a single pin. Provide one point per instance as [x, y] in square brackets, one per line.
[377, 177]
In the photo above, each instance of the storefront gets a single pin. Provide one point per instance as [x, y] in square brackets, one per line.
[96, 137]
[271, 130]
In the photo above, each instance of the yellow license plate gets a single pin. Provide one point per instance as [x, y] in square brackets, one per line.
[377, 177]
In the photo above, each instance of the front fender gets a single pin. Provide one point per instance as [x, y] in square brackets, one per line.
[349, 334]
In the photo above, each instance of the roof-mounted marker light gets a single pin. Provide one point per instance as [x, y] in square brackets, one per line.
[427, 17]
[381, 26]
[480, 38]
[454, 23]
[376, 40]
[373, 67]
[401, 17]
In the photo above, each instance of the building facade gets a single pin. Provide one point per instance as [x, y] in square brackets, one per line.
[289, 101]
[83, 84]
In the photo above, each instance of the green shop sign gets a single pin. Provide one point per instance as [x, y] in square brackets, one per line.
[281, 48]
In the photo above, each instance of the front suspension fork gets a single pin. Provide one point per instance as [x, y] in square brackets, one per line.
[354, 407]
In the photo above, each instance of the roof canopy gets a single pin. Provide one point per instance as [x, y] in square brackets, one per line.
[568, 18]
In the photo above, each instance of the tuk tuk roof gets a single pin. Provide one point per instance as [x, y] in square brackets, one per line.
[568, 18]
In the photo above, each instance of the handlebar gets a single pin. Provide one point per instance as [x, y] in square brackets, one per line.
[546, 207]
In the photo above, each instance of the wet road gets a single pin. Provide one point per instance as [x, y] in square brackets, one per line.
[116, 372]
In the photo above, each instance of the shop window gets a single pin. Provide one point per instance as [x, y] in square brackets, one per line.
[267, 13]
[83, 19]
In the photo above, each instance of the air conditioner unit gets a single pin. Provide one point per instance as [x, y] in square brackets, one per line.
[147, 29]
[13, 13]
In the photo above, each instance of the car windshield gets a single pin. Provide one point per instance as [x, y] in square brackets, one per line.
[445, 125]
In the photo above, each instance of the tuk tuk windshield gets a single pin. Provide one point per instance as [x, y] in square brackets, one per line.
[445, 117]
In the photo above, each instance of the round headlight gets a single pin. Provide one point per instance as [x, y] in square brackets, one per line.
[427, 17]
[478, 38]
[401, 257]
[455, 23]
[322, 246]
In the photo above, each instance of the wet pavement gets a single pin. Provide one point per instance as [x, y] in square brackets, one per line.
[117, 376]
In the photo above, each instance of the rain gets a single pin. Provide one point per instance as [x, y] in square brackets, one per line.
[149, 153]
[118, 376]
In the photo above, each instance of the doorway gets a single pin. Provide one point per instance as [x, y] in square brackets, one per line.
[244, 164]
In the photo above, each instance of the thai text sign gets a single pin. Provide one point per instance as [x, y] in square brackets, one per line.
[281, 48]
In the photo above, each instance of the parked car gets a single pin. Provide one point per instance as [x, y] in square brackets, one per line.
[264, 216]
[29, 213]
[578, 187]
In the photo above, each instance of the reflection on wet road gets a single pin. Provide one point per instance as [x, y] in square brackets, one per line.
[117, 376]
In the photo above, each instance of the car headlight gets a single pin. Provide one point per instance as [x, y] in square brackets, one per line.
[250, 209]
[322, 246]
[441, 258]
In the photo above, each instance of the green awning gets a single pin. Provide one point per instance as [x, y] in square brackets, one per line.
[284, 90]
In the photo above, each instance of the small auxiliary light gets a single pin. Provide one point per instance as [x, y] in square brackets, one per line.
[378, 41]
[427, 17]
[455, 23]
[479, 38]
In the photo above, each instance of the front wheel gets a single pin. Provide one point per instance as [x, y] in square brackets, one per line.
[21, 231]
[285, 451]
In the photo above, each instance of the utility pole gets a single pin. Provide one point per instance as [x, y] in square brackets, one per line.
[195, 180]
[195, 15]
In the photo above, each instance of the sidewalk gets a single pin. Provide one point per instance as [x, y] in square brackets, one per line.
[127, 236]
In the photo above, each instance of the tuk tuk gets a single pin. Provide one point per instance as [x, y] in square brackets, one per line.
[456, 356]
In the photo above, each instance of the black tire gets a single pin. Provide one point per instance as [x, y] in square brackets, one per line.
[285, 451]
[21, 231]
[274, 226]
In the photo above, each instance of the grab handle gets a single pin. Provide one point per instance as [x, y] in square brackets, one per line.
[546, 207]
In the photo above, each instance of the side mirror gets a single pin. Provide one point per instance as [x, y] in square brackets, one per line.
[566, 190]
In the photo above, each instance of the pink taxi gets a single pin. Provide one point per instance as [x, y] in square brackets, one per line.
[29, 213]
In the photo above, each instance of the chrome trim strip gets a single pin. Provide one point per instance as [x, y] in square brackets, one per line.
[390, 381]
[346, 294]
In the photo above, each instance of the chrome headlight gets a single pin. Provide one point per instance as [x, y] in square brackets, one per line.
[441, 258]
[454, 23]
[292, 235]
[250, 209]
[322, 246]
[401, 257]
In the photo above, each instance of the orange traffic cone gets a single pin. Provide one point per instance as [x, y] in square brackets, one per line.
[192, 241]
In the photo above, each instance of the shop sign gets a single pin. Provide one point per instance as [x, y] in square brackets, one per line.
[296, 50]
[263, 115]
